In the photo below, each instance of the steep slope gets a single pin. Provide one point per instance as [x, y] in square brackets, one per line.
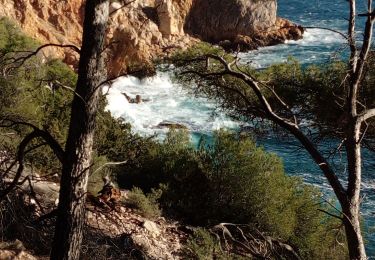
[110, 232]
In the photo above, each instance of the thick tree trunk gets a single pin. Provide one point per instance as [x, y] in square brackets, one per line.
[353, 233]
[77, 161]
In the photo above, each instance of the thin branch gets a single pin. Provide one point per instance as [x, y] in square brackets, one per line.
[123, 6]
[59, 84]
[109, 164]
[351, 37]
[30, 54]
[20, 157]
[366, 115]
[363, 133]
[330, 214]
[328, 29]
[46, 216]
[47, 137]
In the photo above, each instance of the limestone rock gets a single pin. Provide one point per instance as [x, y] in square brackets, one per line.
[151, 227]
[240, 24]
[149, 29]
[171, 125]
[133, 35]
[42, 20]
[172, 15]
[217, 20]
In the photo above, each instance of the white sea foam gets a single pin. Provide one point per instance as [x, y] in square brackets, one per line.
[317, 45]
[319, 37]
[164, 102]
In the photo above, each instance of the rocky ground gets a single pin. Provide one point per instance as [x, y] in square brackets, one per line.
[110, 233]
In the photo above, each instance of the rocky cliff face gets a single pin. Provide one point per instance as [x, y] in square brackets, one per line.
[147, 29]
[240, 24]
[217, 20]
[42, 20]
[138, 33]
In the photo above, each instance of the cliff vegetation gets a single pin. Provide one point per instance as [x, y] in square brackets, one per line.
[228, 199]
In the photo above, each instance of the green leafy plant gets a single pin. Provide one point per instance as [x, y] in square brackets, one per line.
[145, 205]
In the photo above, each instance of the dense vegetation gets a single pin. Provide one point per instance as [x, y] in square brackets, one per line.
[234, 181]
[229, 180]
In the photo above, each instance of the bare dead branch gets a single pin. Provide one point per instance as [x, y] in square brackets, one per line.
[351, 38]
[123, 6]
[109, 164]
[19, 61]
[366, 115]
[20, 157]
[248, 241]
[47, 137]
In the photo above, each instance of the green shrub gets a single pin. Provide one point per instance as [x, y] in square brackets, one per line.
[145, 205]
[203, 246]
[12, 38]
[235, 181]
[26, 95]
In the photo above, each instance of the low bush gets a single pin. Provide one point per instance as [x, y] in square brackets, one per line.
[146, 206]
[233, 180]
[203, 245]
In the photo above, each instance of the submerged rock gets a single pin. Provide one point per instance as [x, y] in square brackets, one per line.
[171, 125]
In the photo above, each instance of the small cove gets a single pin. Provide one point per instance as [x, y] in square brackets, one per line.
[169, 102]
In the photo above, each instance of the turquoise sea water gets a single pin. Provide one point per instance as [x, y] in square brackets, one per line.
[170, 102]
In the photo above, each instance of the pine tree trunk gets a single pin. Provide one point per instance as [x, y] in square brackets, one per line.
[91, 72]
[353, 234]
[351, 206]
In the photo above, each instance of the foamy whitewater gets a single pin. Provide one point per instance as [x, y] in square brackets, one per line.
[170, 103]
[165, 102]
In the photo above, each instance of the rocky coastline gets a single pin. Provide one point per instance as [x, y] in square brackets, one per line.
[146, 30]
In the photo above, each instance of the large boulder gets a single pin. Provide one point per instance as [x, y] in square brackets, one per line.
[240, 24]
[217, 20]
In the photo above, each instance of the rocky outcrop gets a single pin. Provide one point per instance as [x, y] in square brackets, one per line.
[134, 37]
[42, 20]
[171, 125]
[172, 16]
[217, 20]
[240, 24]
[147, 29]
[157, 239]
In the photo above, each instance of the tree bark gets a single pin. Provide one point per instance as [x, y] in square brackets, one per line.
[77, 161]
[353, 233]
[351, 207]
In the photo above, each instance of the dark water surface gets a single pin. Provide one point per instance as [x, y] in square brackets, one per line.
[319, 46]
